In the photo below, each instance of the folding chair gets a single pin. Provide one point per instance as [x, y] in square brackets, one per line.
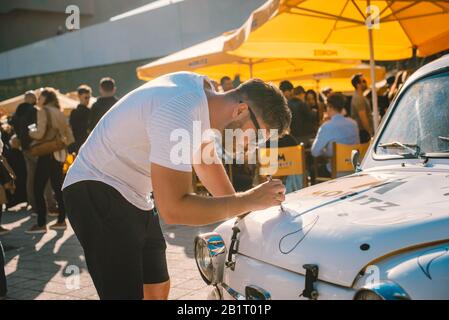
[291, 161]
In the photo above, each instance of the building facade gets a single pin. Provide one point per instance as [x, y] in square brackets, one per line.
[112, 40]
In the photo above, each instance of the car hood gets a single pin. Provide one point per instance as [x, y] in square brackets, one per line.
[345, 224]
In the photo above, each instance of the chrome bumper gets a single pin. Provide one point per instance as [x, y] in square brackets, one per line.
[222, 291]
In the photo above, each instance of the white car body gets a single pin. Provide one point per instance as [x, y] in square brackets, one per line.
[384, 229]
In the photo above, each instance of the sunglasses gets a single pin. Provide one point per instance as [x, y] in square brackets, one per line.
[252, 116]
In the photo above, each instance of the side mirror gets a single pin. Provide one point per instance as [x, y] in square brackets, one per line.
[355, 160]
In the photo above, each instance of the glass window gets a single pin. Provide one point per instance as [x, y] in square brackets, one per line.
[420, 118]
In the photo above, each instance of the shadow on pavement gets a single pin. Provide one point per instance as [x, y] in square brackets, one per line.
[36, 263]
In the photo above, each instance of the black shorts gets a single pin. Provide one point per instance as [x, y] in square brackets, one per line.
[123, 245]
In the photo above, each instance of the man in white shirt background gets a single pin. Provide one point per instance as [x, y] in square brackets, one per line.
[338, 129]
[129, 157]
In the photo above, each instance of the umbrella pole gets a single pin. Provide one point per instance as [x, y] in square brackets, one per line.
[373, 79]
[251, 68]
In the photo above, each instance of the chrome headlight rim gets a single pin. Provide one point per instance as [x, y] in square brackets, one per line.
[210, 256]
[384, 290]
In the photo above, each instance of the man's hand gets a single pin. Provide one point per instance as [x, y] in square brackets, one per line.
[267, 194]
[177, 205]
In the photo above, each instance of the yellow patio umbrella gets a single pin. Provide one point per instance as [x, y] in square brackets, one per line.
[344, 29]
[333, 30]
[338, 80]
[211, 59]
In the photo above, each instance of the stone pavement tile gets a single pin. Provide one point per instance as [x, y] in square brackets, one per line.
[176, 293]
[94, 297]
[36, 264]
[197, 295]
[58, 288]
[21, 294]
[51, 296]
[15, 280]
[184, 273]
[30, 284]
[83, 293]
[176, 281]
[193, 284]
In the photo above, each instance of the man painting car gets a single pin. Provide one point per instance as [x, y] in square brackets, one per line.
[129, 156]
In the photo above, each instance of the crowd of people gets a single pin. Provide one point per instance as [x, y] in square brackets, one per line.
[36, 123]
[318, 120]
[38, 137]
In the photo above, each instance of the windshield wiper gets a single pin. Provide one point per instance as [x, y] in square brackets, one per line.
[437, 154]
[413, 149]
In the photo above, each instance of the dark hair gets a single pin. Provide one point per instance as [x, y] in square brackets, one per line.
[107, 84]
[390, 80]
[313, 93]
[336, 101]
[355, 80]
[51, 98]
[268, 102]
[286, 86]
[225, 78]
[299, 90]
[83, 89]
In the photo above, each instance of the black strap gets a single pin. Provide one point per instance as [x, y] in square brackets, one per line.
[8, 168]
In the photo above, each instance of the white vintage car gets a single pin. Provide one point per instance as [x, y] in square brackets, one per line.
[380, 233]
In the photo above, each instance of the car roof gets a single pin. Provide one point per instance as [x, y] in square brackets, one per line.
[431, 67]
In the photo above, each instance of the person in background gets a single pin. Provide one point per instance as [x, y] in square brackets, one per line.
[300, 93]
[3, 284]
[299, 122]
[14, 157]
[105, 102]
[216, 85]
[324, 94]
[25, 115]
[287, 89]
[50, 122]
[338, 129]
[361, 109]
[6, 183]
[79, 118]
[314, 104]
[303, 126]
[226, 84]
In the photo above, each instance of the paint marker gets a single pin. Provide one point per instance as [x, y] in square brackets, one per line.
[282, 207]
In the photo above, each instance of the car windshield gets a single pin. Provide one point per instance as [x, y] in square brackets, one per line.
[420, 120]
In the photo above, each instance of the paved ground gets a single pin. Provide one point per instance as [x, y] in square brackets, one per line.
[41, 266]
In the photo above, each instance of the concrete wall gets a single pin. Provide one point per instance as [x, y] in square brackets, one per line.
[26, 21]
[146, 35]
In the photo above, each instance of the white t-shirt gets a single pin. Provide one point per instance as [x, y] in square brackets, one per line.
[137, 131]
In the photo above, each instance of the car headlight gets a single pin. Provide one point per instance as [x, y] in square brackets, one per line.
[210, 256]
[385, 290]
